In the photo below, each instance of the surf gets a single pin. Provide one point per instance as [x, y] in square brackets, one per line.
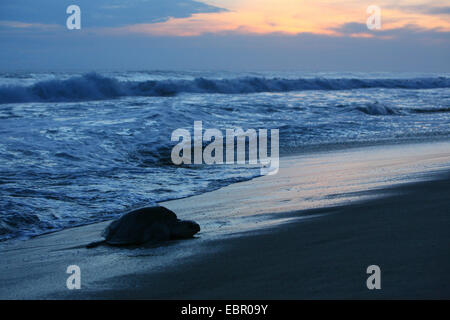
[93, 86]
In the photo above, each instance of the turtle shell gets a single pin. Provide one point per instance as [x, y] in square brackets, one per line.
[140, 226]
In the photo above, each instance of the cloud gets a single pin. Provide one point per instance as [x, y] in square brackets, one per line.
[426, 8]
[290, 17]
[252, 34]
[438, 10]
[412, 51]
[194, 18]
[24, 25]
[351, 28]
[417, 32]
[102, 13]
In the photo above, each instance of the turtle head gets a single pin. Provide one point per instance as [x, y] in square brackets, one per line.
[185, 229]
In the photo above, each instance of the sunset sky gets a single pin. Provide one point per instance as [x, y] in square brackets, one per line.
[226, 34]
[300, 16]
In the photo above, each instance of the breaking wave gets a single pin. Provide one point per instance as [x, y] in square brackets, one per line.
[377, 109]
[93, 86]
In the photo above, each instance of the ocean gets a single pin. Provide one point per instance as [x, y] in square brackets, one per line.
[78, 148]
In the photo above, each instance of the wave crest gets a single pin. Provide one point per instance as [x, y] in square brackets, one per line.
[377, 109]
[93, 86]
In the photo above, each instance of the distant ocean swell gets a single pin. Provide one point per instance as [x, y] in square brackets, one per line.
[93, 86]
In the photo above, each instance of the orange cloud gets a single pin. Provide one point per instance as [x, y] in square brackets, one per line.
[296, 16]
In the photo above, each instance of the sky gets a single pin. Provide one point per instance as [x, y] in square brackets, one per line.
[237, 35]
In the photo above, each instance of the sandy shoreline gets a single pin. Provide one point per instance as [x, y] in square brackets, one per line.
[323, 255]
[325, 258]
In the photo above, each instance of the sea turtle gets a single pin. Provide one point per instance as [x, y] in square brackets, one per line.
[146, 225]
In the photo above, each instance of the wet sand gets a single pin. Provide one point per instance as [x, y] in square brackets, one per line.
[309, 253]
[406, 235]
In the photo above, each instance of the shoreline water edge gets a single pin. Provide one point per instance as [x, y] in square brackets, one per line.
[383, 205]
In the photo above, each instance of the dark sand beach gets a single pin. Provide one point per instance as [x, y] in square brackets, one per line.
[407, 235]
[312, 253]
